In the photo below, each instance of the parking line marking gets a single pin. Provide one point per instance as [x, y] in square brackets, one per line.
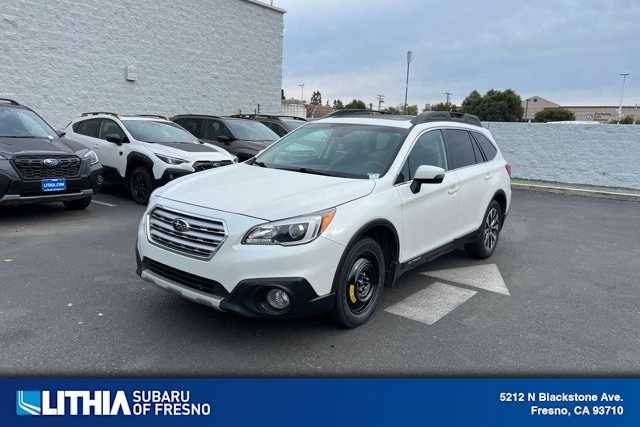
[98, 202]
[486, 277]
[432, 303]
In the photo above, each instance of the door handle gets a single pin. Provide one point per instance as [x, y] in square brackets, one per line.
[488, 176]
[454, 189]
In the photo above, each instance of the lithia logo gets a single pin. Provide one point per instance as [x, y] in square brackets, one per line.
[107, 402]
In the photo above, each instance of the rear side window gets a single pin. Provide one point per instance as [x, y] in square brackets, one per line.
[459, 148]
[87, 127]
[193, 126]
[487, 146]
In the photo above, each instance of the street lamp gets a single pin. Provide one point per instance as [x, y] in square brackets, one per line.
[624, 81]
[406, 89]
[301, 86]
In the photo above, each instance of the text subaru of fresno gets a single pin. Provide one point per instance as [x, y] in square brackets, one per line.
[328, 215]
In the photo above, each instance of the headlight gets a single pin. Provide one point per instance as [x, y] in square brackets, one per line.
[89, 155]
[292, 231]
[170, 160]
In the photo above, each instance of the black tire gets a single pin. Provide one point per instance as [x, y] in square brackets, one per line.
[359, 283]
[489, 234]
[140, 185]
[78, 204]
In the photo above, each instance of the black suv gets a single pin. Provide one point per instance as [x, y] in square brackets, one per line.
[281, 125]
[38, 165]
[241, 137]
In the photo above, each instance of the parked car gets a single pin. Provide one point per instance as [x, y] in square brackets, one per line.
[241, 137]
[144, 151]
[37, 164]
[325, 217]
[281, 125]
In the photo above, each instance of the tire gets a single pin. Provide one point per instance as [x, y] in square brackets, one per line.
[489, 234]
[140, 185]
[359, 283]
[77, 205]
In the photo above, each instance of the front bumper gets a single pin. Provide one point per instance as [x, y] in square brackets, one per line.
[16, 199]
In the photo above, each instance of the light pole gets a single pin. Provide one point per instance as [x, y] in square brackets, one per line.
[624, 82]
[301, 86]
[406, 89]
[448, 95]
[380, 101]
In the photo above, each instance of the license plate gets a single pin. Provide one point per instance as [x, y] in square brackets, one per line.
[54, 185]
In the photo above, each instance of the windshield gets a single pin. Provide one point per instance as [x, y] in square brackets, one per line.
[22, 123]
[157, 132]
[250, 130]
[347, 150]
[292, 124]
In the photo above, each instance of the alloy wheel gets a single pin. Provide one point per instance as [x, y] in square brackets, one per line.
[491, 228]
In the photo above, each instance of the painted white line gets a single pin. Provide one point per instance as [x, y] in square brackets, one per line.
[485, 277]
[575, 190]
[432, 303]
[98, 202]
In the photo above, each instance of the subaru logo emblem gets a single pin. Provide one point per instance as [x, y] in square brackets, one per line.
[180, 225]
[51, 162]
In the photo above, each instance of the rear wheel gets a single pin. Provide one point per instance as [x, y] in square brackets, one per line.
[77, 205]
[487, 238]
[359, 283]
[140, 185]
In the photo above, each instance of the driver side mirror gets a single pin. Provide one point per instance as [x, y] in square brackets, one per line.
[61, 132]
[426, 174]
[224, 138]
[114, 138]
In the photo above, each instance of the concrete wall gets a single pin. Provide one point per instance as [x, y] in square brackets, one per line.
[607, 155]
[63, 57]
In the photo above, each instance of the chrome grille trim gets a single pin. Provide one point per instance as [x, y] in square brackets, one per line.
[201, 240]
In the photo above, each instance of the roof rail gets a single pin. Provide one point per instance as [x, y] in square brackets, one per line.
[266, 116]
[350, 112]
[194, 115]
[152, 116]
[95, 113]
[10, 101]
[446, 116]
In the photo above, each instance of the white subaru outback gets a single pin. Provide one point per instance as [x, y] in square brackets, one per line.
[328, 215]
[145, 152]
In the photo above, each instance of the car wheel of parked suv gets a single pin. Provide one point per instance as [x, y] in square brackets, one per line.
[359, 283]
[140, 185]
[77, 205]
[487, 239]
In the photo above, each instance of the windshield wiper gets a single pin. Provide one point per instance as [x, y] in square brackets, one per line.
[308, 170]
[259, 163]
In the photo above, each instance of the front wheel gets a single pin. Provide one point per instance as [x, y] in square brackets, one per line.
[140, 185]
[487, 238]
[359, 283]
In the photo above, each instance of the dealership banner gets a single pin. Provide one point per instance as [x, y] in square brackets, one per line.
[320, 402]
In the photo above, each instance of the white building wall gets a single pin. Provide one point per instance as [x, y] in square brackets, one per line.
[64, 57]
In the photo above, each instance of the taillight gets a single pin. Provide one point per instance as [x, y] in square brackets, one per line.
[508, 168]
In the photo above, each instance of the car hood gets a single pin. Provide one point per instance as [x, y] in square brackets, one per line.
[190, 151]
[264, 193]
[10, 147]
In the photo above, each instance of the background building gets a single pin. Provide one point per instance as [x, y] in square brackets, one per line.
[599, 113]
[64, 57]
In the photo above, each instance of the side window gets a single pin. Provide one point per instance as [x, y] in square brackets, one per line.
[88, 127]
[110, 127]
[193, 126]
[428, 150]
[215, 128]
[279, 130]
[487, 146]
[460, 151]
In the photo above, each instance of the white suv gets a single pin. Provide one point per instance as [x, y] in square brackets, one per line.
[144, 151]
[326, 216]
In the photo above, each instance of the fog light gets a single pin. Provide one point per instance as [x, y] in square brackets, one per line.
[278, 299]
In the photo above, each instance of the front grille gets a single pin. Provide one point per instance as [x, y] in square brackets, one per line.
[210, 164]
[36, 167]
[186, 279]
[200, 238]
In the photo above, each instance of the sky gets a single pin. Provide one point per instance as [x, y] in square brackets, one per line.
[568, 51]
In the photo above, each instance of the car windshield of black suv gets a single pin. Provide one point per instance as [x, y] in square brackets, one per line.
[345, 150]
[154, 131]
[21, 123]
[249, 130]
[292, 124]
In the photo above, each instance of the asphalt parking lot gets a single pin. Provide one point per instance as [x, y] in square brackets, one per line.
[561, 295]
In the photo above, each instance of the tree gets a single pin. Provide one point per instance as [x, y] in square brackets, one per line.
[444, 106]
[316, 98]
[554, 115]
[337, 104]
[494, 106]
[627, 120]
[412, 110]
[393, 110]
[638, 121]
[356, 104]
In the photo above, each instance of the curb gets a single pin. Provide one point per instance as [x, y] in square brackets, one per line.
[579, 190]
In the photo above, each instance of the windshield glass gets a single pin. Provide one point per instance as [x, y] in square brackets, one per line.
[21, 123]
[348, 150]
[250, 130]
[292, 124]
[157, 132]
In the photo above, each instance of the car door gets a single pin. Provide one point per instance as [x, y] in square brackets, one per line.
[465, 162]
[112, 154]
[429, 219]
